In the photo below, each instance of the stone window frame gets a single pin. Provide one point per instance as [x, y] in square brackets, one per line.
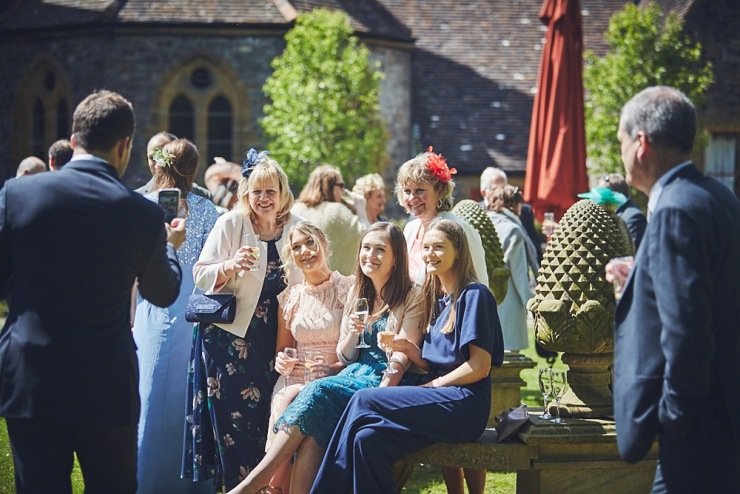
[225, 83]
[32, 91]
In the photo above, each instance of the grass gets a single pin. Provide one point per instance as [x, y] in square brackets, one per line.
[426, 479]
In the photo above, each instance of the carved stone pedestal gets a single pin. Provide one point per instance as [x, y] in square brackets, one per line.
[589, 379]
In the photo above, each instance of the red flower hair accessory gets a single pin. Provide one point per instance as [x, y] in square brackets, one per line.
[437, 164]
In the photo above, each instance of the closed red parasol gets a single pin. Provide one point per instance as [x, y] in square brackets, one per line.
[556, 159]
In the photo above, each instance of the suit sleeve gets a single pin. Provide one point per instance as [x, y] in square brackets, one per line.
[679, 258]
[4, 248]
[159, 280]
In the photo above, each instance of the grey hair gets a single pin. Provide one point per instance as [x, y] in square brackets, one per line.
[491, 173]
[664, 114]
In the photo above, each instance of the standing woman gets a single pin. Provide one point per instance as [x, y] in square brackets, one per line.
[163, 336]
[322, 202]
[232, 364]
[381, 277]
[464, 338]
[504, 205]
[424, 188]
[372, 188]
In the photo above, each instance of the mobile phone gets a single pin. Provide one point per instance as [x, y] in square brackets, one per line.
[169, 200]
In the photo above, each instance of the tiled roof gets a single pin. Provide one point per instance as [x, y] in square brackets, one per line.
[23, 14]
[475, 74]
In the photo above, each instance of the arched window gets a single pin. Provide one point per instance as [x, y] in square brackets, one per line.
[182, 118]
[41, 109]
[208, 103]
[220, 129]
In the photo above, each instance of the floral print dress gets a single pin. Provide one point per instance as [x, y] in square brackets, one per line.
[230, 387]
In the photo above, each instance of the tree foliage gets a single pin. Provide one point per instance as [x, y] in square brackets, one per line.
[646, 49]
[324, 100]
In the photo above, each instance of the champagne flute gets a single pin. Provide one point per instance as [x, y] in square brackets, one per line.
[544, 378]
[559, 387]
[361, 311]
[252, 242]
[385, 338]
[292, 354]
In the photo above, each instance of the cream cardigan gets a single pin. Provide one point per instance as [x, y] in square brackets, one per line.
[221, 245]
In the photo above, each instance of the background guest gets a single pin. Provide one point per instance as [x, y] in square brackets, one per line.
[232, 364]
[163, 337]
[60, 152]
[222, 181]
[322, 203]
[372, 188]
[311, 318]
[464, 338]
[30, 166]
[69, 380]
[157, 141]
[307, 424]
[632, 216]
[504, 204]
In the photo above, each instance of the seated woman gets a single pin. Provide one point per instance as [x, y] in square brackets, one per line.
[381, 277]
[311, 317]
[464, 338]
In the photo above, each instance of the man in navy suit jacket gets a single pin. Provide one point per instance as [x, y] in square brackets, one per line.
[677, 339]
[72, 244]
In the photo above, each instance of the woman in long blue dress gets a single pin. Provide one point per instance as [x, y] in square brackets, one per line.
[163, 336]
[231, 372]
[380, 426]
[381, 274]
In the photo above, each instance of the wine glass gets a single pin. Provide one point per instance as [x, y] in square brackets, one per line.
[385, 338]
[252, 242]
[544, 378]
[559, 387]
[292, 354]
[361, 310]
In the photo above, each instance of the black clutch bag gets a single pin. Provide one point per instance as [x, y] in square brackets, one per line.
[211, 308]
[511, 422]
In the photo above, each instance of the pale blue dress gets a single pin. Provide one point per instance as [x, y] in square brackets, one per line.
[317, 408]
[163, 339]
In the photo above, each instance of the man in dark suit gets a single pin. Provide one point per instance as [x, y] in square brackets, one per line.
[72, 244]
[677, 340]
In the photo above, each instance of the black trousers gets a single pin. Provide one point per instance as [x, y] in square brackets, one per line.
[43, 454]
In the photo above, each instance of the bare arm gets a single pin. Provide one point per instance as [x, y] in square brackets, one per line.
[477, 367]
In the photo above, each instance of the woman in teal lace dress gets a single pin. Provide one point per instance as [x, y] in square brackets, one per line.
[309, 421]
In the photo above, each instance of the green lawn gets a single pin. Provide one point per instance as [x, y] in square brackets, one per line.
[425, 479]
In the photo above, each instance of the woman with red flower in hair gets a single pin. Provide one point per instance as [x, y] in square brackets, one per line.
[424, 188]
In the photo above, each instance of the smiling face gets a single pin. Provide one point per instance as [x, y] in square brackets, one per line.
[306, 251]
[376, 256]
[421, 199]
[264, 197]
[438, 254]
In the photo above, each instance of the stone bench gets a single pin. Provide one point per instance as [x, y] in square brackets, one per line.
[577, 457]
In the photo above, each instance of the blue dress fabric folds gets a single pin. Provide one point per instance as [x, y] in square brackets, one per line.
[382, 425]
[318, 407]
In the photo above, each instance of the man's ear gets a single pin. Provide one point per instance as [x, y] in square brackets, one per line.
[644, 147]
[73, 141]
[122, 147]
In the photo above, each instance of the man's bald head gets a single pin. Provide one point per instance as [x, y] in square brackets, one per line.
[30, 166]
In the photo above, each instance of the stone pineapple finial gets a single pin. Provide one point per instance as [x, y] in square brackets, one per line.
[498, 274]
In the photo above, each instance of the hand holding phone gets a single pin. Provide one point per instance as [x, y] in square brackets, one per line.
[169, 200]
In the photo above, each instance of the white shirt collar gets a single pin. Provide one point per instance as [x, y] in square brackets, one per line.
[657, 189]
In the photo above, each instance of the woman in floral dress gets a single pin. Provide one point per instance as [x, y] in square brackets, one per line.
[231, 376]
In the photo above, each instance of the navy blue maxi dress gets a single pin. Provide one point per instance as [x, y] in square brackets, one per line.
[381, 425]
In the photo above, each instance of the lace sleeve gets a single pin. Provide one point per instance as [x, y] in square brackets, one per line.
[344, 284]
[288, 300]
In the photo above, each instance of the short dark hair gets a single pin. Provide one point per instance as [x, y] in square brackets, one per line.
[61, 151]
[102, 119]
[664, 114]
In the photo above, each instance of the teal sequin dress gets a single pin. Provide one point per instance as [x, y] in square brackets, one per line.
[317, 408]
